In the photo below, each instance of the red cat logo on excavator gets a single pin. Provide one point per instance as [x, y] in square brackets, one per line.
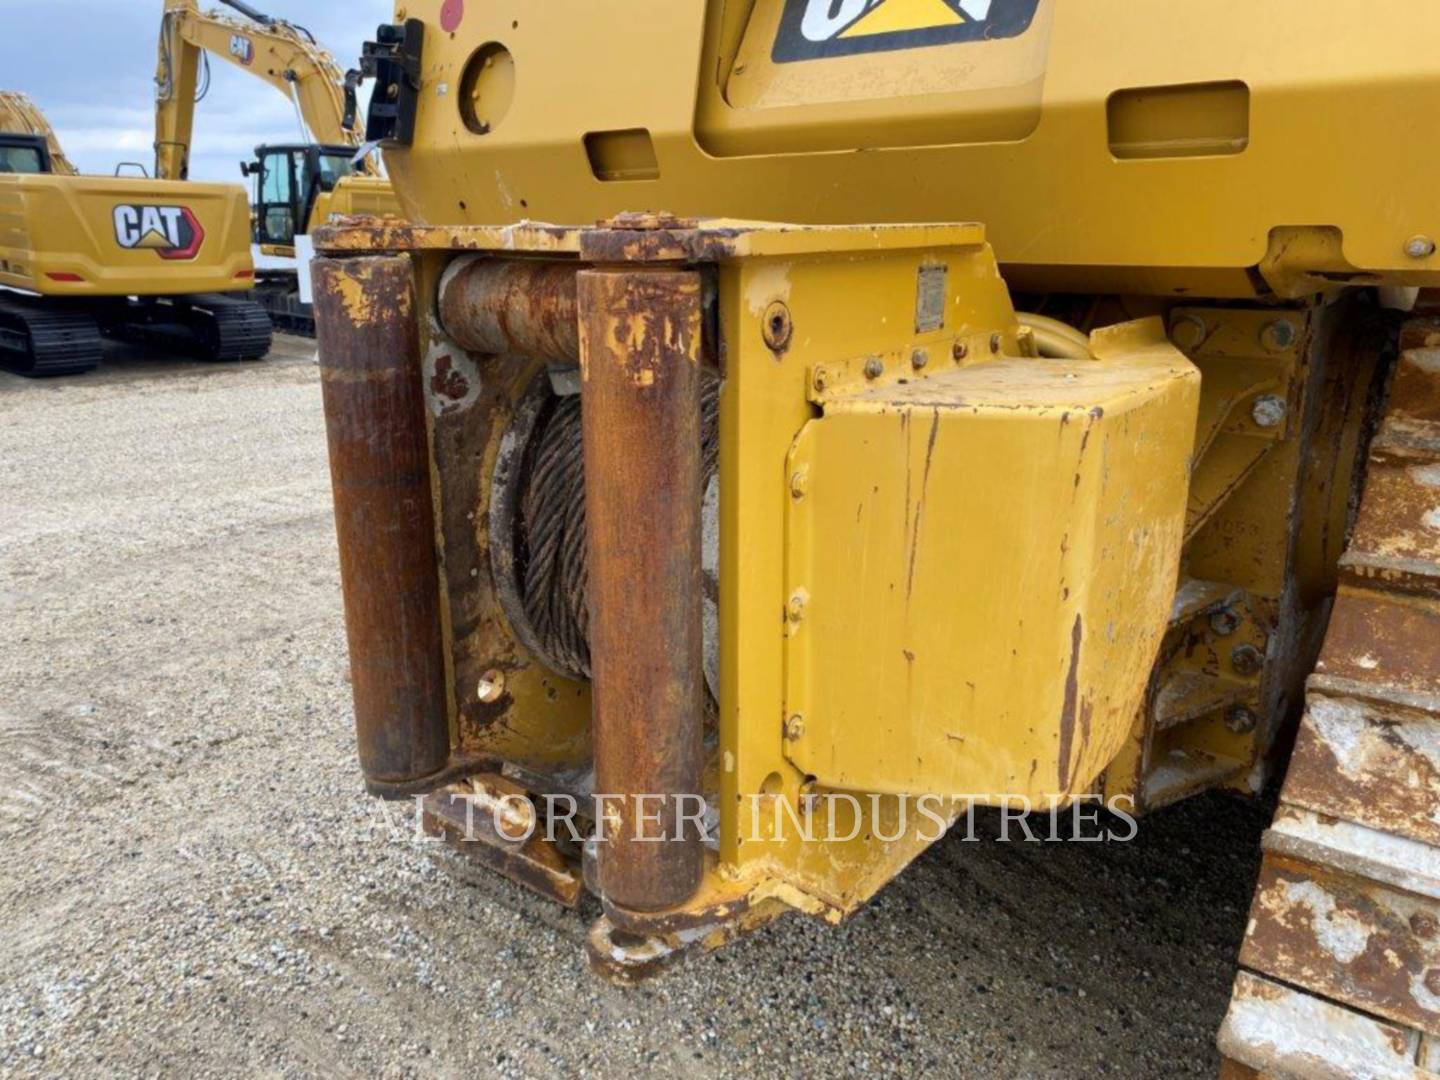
[172, 232]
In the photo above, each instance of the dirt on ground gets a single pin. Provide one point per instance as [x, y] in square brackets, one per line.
[193, 880]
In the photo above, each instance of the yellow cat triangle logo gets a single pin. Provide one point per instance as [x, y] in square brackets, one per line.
[155, 239]
[898, 16]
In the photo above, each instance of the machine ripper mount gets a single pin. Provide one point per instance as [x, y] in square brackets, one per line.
[773, 514]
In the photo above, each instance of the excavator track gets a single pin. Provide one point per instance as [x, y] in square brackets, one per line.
[209, 326]
[40, 339]
[1340, 968]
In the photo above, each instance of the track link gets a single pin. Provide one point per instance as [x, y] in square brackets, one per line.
[40, 339]
[208, 326]
[230, 328]
[1341, 961]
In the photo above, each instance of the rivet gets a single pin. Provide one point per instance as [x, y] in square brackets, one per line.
[794, 727]
[995, 343]
[795, 609]
[960, 350]
[919, 358]
[874, 368]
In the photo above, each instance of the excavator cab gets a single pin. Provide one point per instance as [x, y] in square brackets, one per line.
[24, 154]
[289, 179]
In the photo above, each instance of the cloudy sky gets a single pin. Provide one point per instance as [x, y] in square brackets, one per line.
[90, 65]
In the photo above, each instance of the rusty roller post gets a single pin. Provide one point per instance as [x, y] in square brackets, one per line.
[504, 307]
[640, 353]
[380, 471]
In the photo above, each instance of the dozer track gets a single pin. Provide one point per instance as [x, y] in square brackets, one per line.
[39, 340]
[209, 326]
[1340, 968]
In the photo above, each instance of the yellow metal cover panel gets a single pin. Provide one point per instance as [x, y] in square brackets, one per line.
[1062, 180]
[110, 236]
[981, 569]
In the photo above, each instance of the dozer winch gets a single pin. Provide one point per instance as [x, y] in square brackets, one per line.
[682, 474]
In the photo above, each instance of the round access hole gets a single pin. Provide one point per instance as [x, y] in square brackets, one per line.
[487, 88]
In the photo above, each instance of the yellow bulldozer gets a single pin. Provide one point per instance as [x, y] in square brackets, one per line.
[85, 257]
[782, 426]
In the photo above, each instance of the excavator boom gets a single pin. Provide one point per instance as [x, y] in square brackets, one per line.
[282, 54]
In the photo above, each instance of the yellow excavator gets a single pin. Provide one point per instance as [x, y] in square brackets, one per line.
[798, 422]
[296, 185]
[85, 257]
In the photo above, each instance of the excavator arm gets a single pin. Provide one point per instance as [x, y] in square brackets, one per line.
[280, 53]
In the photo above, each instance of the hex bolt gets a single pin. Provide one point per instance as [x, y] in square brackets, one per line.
[874, 368]
[1277, 336]
[1424, 925]
[1240, 720]
[794, 728]
[1225, 621]
[1268, 411]
[918, 359]
[1420, 247]
[1246, 659]
[492, 686]
[798, 484]
[960, 350]
[1189, 331]
[776, 327]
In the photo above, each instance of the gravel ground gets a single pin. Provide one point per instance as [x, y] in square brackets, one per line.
[193, 880]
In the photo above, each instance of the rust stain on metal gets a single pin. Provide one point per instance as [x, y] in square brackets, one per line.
[456, 816]
[640, 341]
[1069, 708]
[380, 472]
[1345, 937]
[511, 307]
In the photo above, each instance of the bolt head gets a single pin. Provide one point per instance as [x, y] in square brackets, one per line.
[1240, 720]
[1225, 621]
[995, 342]
[776, 327]
[798, 484]
[1246, 660]
[1268, 411]
[794, 727]
[1278, 336]
[492, 687]
[874, 368]
[919, 358]
[960, 350]
[1189, 331]
[1420, 247]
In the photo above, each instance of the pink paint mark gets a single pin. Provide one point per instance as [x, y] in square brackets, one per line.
[452, 13]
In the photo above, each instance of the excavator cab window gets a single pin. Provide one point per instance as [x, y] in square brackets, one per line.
[23, 154]
[276, 191]
[288, 181]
